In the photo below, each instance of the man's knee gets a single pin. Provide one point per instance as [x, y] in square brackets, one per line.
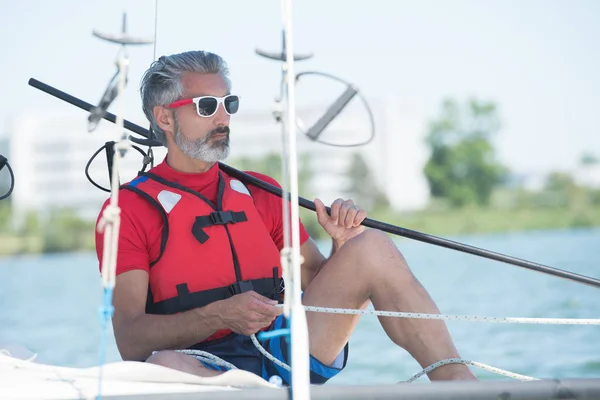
[372, 237]
[169, 359]
[163, 358]
[181, 362]
[373, 242]
[376, 250]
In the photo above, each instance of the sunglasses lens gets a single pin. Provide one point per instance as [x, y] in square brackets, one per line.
[207, 106]
[232, 104]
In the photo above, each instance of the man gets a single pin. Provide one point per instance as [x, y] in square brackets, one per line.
[198, 263]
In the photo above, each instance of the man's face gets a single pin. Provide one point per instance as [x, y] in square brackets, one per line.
[202, 138]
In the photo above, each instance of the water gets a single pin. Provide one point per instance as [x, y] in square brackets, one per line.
[50, 305]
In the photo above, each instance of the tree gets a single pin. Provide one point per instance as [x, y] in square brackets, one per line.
[362, 187]
[66, 231]
[462, 167]
[589, 159]
[5, 216]
[560, 182]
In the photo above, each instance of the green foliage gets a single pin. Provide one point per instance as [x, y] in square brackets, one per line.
[473, 219]
[362, 187]
[560, 182]
[589, 159]
[32, 225]
[5, 216]
[595, 197]
[65, 231]
[462, 166]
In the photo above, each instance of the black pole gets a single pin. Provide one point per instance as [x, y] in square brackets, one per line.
[423, 237]
[110, 153]
[86, 106]
[396, 230]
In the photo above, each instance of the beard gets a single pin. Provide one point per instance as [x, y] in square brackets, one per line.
[205, 149]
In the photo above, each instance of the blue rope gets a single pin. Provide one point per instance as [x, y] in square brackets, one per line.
[274, 333]
[106, 313]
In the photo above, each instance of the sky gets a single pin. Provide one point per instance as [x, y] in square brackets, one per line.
[538, 60]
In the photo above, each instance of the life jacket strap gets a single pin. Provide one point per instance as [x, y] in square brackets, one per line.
[186, 300]
[215, 218]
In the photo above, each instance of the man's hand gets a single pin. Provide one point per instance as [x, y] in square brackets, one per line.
[248, 312]
[344, 222]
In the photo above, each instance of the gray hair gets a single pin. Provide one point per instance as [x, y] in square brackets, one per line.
[161, 83]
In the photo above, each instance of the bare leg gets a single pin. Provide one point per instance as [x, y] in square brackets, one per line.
[181, 362]
[370, 268]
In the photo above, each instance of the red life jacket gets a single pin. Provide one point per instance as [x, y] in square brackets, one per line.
[216, 250]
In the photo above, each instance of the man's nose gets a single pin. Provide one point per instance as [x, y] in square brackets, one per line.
[221, 117]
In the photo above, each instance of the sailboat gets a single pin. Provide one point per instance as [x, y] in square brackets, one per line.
[23, 378]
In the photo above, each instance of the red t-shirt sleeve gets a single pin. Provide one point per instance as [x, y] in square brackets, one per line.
[139, 233]
[270, 208]
[141, 227]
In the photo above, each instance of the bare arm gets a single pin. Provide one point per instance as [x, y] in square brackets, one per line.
[342, 225]
[139, 334]
[313, 262]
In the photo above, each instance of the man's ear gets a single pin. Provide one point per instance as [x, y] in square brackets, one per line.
[165, 119]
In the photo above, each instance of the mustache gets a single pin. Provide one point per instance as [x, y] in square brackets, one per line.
[218, 131]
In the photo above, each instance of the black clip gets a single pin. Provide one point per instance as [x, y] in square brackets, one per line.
[221, 217]
[241, 287]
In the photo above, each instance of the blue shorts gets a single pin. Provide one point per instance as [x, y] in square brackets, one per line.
[241, 352]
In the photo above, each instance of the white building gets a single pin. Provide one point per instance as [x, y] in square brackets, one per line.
[396, 155]
[588, 175]
[49, 153]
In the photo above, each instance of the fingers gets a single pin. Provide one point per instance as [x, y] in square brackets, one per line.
[260, 316]
[262, 305]
[348, 214]
[267, 310]
[262, 298]
[343, 213]
[322, 216]
[249, 312]
[335, 210]
[360, 217]
[351, 213]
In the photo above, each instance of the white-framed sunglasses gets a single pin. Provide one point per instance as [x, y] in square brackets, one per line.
[207, 106]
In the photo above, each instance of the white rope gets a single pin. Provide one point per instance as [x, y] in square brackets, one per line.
[269, 355]
[8, 353]
[422, 372]
[110, 221]
[473, 318]
[470, 318]
[475, 364]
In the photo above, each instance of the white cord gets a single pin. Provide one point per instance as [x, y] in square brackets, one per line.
[470, 318]
[475, 364]
[7, 353]
[474, 318]
[422, 372]
[269, 355]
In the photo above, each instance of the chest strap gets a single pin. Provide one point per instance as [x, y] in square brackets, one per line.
[215, 218]
[268, 287]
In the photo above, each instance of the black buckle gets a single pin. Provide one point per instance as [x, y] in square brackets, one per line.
[221, 217]
[241, 287]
